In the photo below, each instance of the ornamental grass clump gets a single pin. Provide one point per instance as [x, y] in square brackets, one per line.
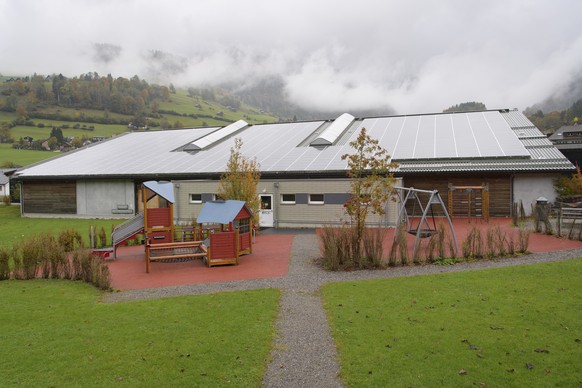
[523, 240]
[337, 244]
[373, 256]
[46, 256]
[473, 245]
[70, 240]
[4, 263]
[399, 250]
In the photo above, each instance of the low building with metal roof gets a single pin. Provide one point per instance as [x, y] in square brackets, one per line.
[303, 175]
[568, 140]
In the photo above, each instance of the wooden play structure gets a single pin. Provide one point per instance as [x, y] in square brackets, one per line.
[223, 232]
[469, 201]
[417, 222]
[226, 227]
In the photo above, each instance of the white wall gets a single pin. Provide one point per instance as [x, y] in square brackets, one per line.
[101, 198]
[527, 188]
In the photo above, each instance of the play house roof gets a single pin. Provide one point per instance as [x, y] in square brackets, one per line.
[163, 189]
[223, 212]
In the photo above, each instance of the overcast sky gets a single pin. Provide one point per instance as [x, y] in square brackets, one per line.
[412, 56]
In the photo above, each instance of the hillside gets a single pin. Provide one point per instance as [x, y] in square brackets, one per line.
[89, 108]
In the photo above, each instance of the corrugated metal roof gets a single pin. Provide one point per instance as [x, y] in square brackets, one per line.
[536, 142]
[488, 141]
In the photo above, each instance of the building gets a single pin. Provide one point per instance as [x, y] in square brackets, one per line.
[303, 177]
[4, 185]
[568, 139]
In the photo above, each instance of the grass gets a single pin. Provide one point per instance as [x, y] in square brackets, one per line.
[515, 326]
[22, 157]
[180, 103]
[14, 228]
[56, 333]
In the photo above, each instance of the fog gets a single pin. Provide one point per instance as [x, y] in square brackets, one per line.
[410, 56]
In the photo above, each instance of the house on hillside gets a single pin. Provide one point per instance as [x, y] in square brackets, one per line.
[5, 174]
[303, 177]
[4, 185]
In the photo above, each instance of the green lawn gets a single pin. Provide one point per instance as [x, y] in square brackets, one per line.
[57, 333]
[13, 227]
[23, 157]
[518, 326]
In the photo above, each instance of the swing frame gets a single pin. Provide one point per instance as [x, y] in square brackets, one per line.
[423, 228]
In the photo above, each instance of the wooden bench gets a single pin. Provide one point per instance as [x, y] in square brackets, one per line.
[173, 251]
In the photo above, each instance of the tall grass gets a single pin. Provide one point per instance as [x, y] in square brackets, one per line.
[497, 243]
[340, 252]
[46, 256]
[340, 248]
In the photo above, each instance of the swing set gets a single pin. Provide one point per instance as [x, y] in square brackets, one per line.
[423, 229]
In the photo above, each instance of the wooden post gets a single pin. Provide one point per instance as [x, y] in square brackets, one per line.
[237, 244]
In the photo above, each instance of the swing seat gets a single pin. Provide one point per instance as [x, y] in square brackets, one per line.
[423, 233]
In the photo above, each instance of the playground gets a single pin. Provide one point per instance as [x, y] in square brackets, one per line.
[223, 245]
[271, 255]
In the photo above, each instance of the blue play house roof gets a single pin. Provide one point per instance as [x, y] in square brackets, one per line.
[221, 212]
[163, 189]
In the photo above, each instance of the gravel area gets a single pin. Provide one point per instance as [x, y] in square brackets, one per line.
[304, 353]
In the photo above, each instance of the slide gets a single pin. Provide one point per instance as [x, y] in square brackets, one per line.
[121, 233]
[127, 230]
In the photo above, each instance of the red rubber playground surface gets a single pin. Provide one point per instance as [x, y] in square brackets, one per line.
[270, 259]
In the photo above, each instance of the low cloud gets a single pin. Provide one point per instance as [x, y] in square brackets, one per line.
[332, 56]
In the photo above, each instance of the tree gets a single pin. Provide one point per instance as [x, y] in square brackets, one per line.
[369, 168]
[240, 179]
[466, 107]
[57, 133]
[5, 135]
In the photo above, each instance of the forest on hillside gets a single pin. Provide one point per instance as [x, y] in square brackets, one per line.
[549, 122]
[132, 96]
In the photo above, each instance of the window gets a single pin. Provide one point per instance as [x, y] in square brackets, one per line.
[316, 199]
[216, 197]
[244, 225]
[288, 199]
[195, 198]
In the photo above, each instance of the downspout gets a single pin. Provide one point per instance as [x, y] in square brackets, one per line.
[176, 203]
[276, 205]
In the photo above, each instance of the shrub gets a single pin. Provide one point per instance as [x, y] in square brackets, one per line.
[102, 236]
[337, 247]
[373, 248]
[399, 250]
[6, 200]
[473, 245]
[70, 239]
[4, 263]
[523, 240]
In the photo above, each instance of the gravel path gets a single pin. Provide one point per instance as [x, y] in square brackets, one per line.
[304, 353]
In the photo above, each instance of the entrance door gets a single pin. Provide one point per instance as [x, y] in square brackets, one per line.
[266, 216]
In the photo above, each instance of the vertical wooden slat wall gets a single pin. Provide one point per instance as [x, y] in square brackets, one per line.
[499, 190]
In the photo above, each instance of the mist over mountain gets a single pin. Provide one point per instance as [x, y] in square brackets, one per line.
[305, 57]
[560, 100]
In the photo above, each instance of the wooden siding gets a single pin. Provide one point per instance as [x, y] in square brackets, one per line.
[50, 197]
[499, 192]
[159, 217]
[223, 245]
